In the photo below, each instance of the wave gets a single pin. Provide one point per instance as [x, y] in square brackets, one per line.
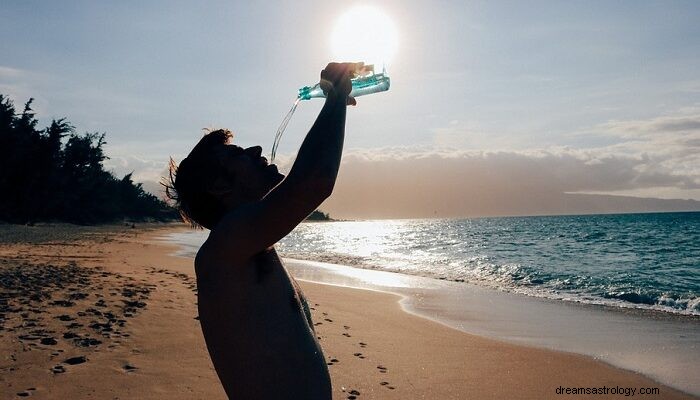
[528, 281]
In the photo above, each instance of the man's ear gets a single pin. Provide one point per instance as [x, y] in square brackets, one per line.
[220, 187]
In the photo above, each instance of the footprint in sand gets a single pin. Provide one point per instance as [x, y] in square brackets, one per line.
[386, 384]
[129, 368]
[87, 342]
[363, 344]
[75, 360]
[359, 355]
[346, 334]
[58, 369]
[62, 303]
[381, 369]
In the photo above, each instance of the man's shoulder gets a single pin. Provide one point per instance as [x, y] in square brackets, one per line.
[213, 252]
[219, 253]
[215, 270]
[220, 245]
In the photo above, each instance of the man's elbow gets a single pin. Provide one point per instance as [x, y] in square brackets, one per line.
[310, 190]
[323, 188]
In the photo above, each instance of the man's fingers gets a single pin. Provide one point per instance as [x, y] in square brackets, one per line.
[351, 101]
[326, 85]
[363, 70]
[339, 75]
[340, 69]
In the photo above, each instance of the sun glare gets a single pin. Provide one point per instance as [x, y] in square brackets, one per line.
[364, 33]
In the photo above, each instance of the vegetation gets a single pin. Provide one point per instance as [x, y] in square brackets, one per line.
[55, 174]
[319, 215]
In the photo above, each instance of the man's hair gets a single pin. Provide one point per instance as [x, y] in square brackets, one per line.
[188, 185]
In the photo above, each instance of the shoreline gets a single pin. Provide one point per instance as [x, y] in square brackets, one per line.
[536, 369]
[629, 341]
[596, 307]
[594, 344]
[373, 347]
[358, 263]
[652, 311]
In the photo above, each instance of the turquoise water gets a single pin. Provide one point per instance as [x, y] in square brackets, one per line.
[647, 261]
[626, 260]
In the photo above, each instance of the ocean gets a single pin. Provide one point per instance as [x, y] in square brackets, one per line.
[647, 261]
[527, 280]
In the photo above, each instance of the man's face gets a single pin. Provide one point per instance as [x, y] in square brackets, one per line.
[251, 174]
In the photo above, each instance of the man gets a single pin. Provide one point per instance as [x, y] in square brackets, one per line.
[255, 320]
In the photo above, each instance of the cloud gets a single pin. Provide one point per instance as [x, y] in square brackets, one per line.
[457, 183]
[657, 157]
[671, 143]
[666, 125]
[21, 85]
[11, 73]
[143, 169]
[147, 172]
[670, 137]
[468, 135]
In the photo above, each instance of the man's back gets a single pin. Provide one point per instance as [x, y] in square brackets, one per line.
[257, 330]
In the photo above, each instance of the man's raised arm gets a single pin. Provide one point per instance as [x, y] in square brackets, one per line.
[256, 226]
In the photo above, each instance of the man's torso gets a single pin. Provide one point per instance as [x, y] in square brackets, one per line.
[259, 332]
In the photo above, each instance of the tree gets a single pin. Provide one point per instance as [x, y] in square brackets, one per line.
[43, 178]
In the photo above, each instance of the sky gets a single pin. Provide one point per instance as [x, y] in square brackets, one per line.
[513, 103]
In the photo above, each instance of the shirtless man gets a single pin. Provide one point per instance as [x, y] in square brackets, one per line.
[255, 320]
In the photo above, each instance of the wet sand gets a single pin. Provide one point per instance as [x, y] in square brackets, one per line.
[662, 346]
[108, 313]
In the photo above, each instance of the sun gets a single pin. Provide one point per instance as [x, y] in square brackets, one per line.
[364, 33]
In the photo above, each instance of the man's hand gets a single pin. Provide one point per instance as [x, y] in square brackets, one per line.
[335, 80]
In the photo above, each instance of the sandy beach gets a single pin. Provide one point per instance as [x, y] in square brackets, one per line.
[110, 313]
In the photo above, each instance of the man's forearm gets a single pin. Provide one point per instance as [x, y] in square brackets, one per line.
[319, 155]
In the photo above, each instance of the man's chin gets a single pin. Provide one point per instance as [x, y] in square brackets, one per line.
[279, 178]
[276, 176]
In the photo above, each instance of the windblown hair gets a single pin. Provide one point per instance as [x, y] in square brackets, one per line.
[187, 185]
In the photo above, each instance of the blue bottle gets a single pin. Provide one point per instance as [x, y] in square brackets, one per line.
[367, 83]
[362, 85]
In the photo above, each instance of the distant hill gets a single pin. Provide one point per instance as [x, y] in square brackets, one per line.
[608, 204]
[368, 205]
[319, 215]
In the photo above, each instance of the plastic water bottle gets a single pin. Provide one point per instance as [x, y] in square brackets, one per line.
[362, 85]
[367, 83]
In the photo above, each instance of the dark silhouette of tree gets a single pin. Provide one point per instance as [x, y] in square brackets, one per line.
[55, 174]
